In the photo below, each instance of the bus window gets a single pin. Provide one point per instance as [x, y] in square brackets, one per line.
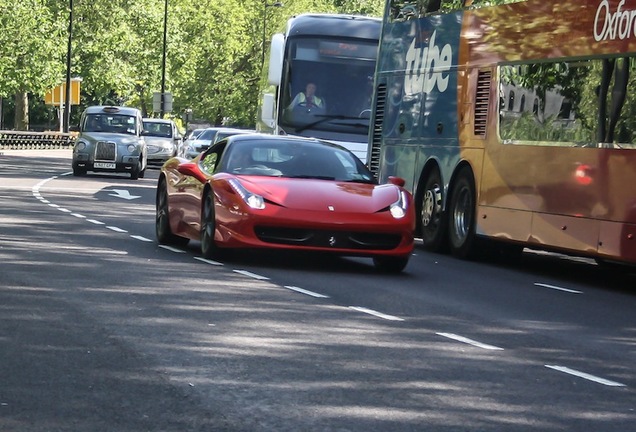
[570, 108]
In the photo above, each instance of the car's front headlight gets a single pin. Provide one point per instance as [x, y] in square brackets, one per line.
[398, 208]
[251, 199]
[131, 148]
[80, 145]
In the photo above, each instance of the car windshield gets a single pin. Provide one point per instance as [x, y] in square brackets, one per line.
[295, 159]
[222, 135]
[194, 134]
[207, 135]
[112, 123]
[163, 130]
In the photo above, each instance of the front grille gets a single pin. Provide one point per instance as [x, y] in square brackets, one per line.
[328, 239]
[105, 151]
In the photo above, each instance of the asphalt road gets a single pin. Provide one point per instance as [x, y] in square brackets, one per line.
[103, 330]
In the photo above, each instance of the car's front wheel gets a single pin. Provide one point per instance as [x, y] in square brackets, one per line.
[209, 249]
[162, 221]
[137, 171]
[78, 172]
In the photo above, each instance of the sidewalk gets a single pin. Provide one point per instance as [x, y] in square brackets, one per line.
[51, 153]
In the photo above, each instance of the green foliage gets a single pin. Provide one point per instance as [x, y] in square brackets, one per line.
[527, 127]
[31, 46]
[213, 53]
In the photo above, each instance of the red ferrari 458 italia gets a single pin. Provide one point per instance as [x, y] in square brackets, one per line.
[281, 192]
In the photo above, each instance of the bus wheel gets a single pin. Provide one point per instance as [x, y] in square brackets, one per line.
[433, 222]
[461, 211]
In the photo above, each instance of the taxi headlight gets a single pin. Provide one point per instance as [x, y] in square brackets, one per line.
[131, 148]
[80, 145]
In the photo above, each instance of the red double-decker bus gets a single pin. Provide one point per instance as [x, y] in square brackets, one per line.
[514, 123]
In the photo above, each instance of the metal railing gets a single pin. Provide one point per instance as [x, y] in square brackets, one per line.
[17, 140]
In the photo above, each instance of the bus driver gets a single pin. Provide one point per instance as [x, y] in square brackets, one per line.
[308, 99]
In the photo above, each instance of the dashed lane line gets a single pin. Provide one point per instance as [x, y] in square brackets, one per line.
[586, 376]
[304, 291]
[554, 287]
[376, 313]
[472, 342]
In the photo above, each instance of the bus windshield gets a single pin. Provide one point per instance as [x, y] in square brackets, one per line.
[329, 85]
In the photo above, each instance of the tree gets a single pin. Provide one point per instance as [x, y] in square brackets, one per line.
[31, 51]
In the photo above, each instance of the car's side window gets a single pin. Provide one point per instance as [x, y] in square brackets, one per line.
[210, 160]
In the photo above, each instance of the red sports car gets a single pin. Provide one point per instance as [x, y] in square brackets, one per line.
[268, 191]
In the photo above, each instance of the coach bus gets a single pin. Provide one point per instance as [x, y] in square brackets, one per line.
[514, 123]
[335, 53]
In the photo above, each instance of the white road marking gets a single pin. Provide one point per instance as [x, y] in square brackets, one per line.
[171, 249]
[303, 291]
[54, 205]
[554, 287]
[138, 237]
[96, 222]
[376, 313]
[77, 215]
[250, 274]
[116, 229]
[585, 376]
[469, 341]
[207, 261]
[123, 193]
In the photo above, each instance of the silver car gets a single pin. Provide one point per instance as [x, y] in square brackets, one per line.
[205, 139]
[110, 140]
[162, 138]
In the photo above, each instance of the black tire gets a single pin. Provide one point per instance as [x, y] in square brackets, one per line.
[461, 215]
[137, 171]
[390, 264]
[432, 220]
[163, 232]
[79, 172]
[209, 249]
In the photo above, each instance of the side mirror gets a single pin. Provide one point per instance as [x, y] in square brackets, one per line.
[267, 110]
[398, 181]
[191, 169]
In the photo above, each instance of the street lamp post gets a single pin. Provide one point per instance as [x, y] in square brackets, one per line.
[265, 6]
[67, 100]
[163, 62]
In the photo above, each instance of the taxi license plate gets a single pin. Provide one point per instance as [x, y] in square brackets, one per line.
[104, 165]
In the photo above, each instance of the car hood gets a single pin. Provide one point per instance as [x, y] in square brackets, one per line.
[107, 136]
[199, 143]
[320, 195]
[158, 141]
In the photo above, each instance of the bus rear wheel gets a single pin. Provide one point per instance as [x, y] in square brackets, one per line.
[432, 220]
[462, 212]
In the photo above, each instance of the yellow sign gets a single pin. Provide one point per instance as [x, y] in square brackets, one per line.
[57, 96]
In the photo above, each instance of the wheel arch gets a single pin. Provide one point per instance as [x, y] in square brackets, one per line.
[449, 186]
